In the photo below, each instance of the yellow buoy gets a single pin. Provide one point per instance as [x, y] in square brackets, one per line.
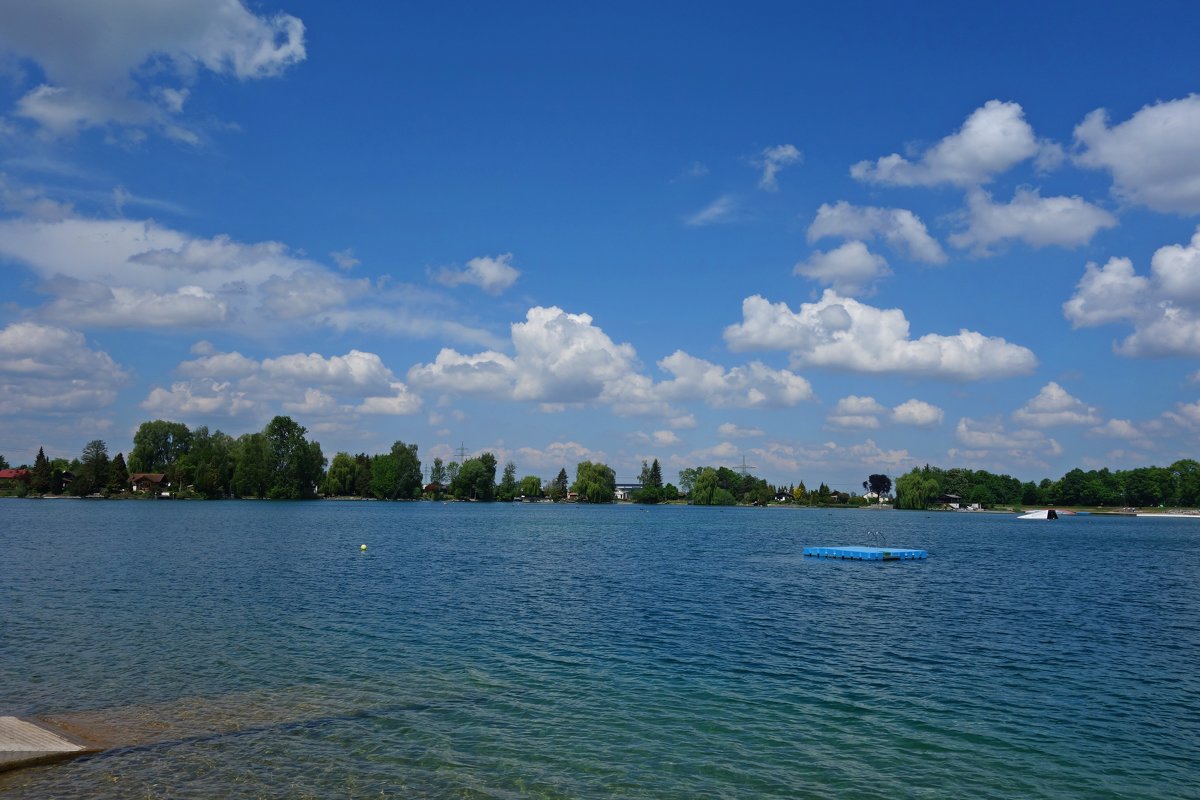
[362, 547]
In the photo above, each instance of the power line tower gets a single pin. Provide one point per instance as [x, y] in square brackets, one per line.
[745, 468]
[461, 452]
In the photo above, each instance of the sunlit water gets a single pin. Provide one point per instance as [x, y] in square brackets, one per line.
[250, 649]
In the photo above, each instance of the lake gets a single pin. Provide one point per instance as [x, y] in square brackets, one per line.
[251, 649]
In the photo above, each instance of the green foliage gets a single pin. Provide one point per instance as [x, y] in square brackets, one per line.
[531, 486]
[385, 477]
[252, 475]
[209, 464]
[362, 475]
[916, 490]
[438, 474]
[476, 479]
[594, 483]
[723, 486]
[880, 484]
[687, 479]
[295, 465]
[559, 486]
[408, 471]
[651, 475]
[40, 481]
[159, 444]
[92, 475]
[118, 476]
[707, 489]
[507, 490]
[648, 495]
[339, 479]
[4, 461]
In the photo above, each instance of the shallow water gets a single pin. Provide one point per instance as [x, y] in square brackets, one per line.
[250, 649]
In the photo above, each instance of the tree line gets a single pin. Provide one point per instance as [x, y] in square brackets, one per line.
[1177, 485]
[280, 462]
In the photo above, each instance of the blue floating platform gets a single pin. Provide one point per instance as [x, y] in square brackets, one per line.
[866, 553]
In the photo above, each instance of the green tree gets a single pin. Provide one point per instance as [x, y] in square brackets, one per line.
[531, 486]
[507, 491]
[40, 479]
[647, 495]
[879, 484]
[408, 471]
[209, 464]
[1187, 478]
[916, 490]
[594, 482]
[362, 475]
[159, 444]
[485, 486]
[687, 479]
[295, 464]
[92, 475]
[385, 477]
[438, 473]
[252, 475]
[118, 475]
[339, 479]
[559, 486]
[708, 491]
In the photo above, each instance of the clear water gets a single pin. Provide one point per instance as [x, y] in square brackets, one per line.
[248, 649]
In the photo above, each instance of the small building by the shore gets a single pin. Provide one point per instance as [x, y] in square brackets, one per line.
[9, 476]
[151, 482]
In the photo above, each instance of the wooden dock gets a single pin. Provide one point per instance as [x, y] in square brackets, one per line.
[27, 744]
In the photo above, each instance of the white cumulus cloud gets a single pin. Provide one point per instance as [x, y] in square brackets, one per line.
[1024, 445]
[845, 334]
[1154, 156]
[1163, 308]
[1053, 406]
[231, 384]
[561, 359]
[900, 228]
[918, 413]
[752, 386]
[854, 411]
[993, 139]
[1030, 218]
[47, 369]
[849, 269]
[127, 62]
[492, 275]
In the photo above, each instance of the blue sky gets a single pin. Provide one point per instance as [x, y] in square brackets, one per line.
[831, 241]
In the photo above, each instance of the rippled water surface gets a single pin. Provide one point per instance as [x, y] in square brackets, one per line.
[247, 649]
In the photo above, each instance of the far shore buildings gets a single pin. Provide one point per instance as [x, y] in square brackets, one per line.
[151, 482]
[8, 476]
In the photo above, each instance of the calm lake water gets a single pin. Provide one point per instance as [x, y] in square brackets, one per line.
[250, 649]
